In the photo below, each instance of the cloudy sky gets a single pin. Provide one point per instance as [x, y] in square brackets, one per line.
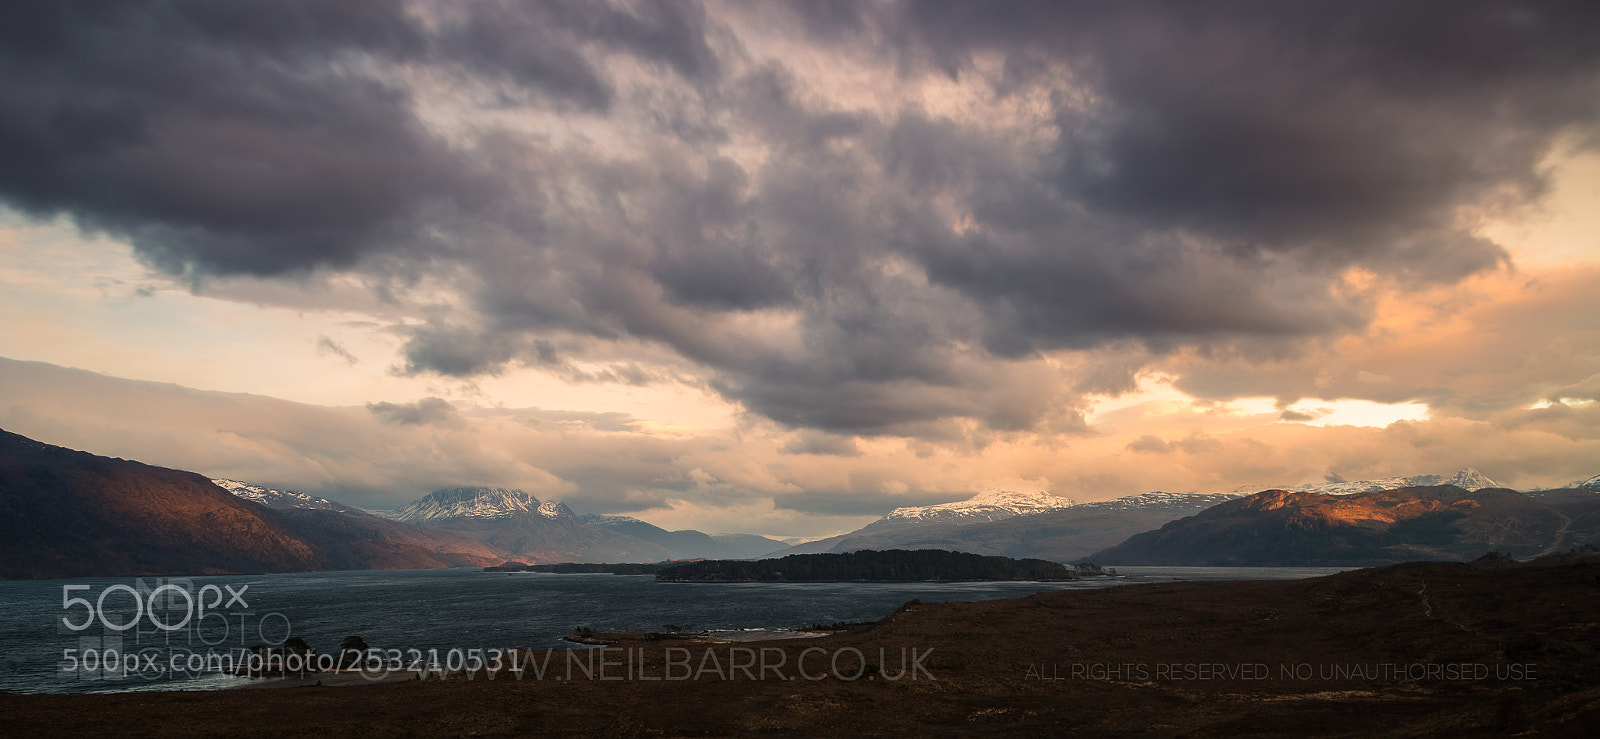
[781, 267]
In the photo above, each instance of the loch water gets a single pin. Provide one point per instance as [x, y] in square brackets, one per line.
[50, 630]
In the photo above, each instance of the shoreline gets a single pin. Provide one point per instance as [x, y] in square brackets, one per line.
[343, 679]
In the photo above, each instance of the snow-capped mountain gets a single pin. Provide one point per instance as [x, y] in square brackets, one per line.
[1159, 501]
[274, 498]
[989, 505]
[1023, 524]
[1592, 483]
[1467, 479]
[555, 509]
[480, 504]
[525, 527]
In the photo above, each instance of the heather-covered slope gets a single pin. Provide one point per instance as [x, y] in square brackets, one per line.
[66, 513]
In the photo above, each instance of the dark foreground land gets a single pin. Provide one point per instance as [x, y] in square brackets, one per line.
[1409, 650]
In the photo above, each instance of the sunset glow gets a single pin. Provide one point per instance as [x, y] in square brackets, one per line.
[766, 269]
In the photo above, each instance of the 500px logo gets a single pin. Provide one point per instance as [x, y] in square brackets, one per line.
[194, 608]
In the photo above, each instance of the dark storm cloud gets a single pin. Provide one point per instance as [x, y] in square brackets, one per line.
[455, 351]
[1348, 130]
[814, 442]
[261, 137]
[219, 137]
[540, 46]
[1232, 163]
[1195, 175]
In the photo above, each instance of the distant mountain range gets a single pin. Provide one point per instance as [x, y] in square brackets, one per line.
[1037, 525]
[523, 528]
[1444, 522]
[1034, 525]
[1072, 534]
[1466, 479]
[66, 513]
[356, 539]
[987, 506]
[690, 544]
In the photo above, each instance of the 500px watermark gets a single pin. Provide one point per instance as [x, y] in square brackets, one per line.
[161, 628]
[726, 663]
[169, 628]
[147, 600]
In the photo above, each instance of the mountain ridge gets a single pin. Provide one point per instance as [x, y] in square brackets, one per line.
[1288, 528]
[1061, 534]
[69, 513]
[689, 543]
[526, 528]
[277, 498]
[1467, 478]
[988, 505]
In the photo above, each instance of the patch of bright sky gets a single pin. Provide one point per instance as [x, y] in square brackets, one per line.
[1252, 406]
[1157, 397]
[1152, 390]
[1568, 402]
[83, 301]
[1358, 412]
[88, 304]
[1566, 228]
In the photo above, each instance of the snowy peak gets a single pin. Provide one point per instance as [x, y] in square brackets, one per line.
[1471, 479]
[1154, 501]
[478, 503]
[273, 498]
[990, 505]
[555, 509]
[1592, 483]
[1348, 487]
[1467, 479]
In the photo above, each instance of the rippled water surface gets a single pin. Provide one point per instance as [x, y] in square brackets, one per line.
[430, 609]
